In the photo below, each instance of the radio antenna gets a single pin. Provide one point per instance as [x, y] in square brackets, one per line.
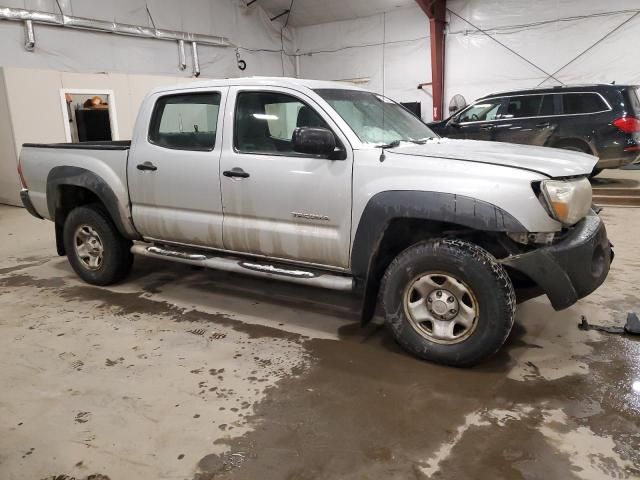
[384, 41]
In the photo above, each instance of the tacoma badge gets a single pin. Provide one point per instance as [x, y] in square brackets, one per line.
[310, 216]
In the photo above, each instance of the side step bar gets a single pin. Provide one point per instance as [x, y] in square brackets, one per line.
[249, 267]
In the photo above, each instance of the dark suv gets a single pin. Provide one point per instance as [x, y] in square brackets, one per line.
[603, 120]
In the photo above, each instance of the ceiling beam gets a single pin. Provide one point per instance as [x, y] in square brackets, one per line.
[435, 10]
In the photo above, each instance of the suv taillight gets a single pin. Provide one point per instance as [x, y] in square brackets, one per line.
[627, 124]
[23, 183]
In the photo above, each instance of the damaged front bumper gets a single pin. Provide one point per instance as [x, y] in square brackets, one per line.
[572, 268]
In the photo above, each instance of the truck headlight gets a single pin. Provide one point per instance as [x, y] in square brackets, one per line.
[568, 200]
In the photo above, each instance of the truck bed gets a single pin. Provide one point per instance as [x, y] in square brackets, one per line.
[102, 145]
[43, 165]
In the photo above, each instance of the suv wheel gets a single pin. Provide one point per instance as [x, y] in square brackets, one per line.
[448, 301]
[95, 249]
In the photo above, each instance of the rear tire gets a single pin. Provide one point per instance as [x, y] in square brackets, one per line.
[95, 249]
[448, 301]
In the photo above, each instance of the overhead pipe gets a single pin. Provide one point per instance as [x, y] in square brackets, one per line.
[29, 36]
[196, 60]
[182, 56]
[91, 24]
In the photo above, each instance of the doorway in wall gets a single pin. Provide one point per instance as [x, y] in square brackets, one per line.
[89, 115]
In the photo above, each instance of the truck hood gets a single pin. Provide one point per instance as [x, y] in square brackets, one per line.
[552, 162]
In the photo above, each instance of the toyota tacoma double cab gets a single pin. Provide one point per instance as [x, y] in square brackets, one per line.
[331, 186]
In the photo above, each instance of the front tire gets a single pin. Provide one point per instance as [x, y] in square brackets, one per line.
[448, 301]
[95, 249]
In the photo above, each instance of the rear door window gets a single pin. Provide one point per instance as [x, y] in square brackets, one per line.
[575, 103]
[524, 106]
[185, 122]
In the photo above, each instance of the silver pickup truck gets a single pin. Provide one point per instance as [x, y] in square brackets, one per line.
[331, 186]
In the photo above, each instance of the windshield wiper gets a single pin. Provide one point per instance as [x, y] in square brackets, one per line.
[422, 141]
[393, 144]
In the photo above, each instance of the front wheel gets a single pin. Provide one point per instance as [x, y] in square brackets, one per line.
[448, 301]
[95, 249]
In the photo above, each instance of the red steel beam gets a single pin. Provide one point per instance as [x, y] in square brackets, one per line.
[435, 10]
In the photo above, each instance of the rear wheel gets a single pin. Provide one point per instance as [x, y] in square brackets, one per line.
[448, 301]
[95, 249]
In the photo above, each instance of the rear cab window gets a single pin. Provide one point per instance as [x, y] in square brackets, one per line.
[185, 121]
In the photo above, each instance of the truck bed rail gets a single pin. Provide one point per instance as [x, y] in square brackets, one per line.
[102, 145]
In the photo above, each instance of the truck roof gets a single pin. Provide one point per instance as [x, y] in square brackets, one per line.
[261, 81]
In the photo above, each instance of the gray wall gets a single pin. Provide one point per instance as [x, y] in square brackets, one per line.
[78, 51]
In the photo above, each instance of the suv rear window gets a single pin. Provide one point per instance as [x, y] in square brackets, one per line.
[573, 103]
[633, 95]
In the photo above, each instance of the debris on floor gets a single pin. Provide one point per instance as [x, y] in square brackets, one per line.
[632, 326]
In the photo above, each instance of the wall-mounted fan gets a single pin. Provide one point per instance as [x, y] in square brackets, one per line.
[456, 104]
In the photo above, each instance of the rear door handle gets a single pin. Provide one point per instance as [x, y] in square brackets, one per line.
[235, 172]
[147, 166]
[543, 125]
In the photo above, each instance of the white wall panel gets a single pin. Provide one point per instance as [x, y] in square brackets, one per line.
[83, 51]
[549, 34]
[325, 53]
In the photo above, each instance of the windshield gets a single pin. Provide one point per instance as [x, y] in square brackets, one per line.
[374, 118]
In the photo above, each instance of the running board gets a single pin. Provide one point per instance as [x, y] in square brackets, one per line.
[249, 267]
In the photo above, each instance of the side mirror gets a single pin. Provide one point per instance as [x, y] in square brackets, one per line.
[454, 122]
[313, 140]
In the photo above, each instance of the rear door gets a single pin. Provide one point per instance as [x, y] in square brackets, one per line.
[279, 203]
[173, 168]
[526, 119]
[476, 122]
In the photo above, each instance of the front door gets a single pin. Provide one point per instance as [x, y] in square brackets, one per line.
[173, 168]
[279, 203]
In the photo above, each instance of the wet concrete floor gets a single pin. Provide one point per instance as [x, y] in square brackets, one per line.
[181, 373]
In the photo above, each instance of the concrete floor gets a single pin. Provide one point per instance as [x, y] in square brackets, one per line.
[187, 374]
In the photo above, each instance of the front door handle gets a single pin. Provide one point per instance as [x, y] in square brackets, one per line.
[147, 167]
[235, 172]
[487, 127]
[543, 125]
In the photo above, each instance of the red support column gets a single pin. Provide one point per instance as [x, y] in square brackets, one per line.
[435, 10]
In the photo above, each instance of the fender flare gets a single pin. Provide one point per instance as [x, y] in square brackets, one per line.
[387, 206]
[80, 177]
